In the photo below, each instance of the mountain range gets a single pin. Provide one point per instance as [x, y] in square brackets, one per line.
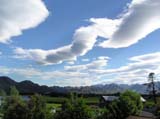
[28, 87]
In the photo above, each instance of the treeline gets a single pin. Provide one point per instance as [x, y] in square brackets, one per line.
[14, 107]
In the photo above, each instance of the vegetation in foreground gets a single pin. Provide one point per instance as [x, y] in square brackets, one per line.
[14, 106]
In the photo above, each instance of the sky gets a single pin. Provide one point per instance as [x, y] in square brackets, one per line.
[80, 43]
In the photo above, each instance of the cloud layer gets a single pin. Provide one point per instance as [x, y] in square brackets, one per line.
[137, 21]
[94, 72]
[18, 15]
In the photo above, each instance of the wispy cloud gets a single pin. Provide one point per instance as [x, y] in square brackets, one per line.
[18, 15]
[134, 72]
[85, 60]
[95, 72]
[96, 64]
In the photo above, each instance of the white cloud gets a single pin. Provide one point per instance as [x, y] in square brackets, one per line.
[84, 40]
[136, 71]
[71, 62]
[82, 43]
[86, 60]
[104, 58]
[19, 15]
[96, 64]
[139, 19]
[60, 78]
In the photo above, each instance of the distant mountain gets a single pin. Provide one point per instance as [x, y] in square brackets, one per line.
[27, 87]
[110, 89]
[6, 83]
[30, 87]
[23, 87]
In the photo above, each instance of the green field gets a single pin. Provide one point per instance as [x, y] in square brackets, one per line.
[57, 100]
[60, 100]
[54, 106]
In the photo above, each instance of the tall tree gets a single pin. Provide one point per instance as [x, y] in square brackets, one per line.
[2, 92]
[14, 91]
[37, 107]
[151, 85]
[74, 108]
[13, 106]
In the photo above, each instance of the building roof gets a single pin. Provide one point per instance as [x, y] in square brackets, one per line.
[110, 98]
[142, 99]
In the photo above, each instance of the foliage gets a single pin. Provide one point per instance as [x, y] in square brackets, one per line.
[15, 108]
[14, 91]
[152, 86]
[158, 107]
[2, 93]
[59, 100]
[129, 103]
[149, 104]
[74, 108]
[37, 107]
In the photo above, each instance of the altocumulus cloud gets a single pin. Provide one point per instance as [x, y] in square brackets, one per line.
[18, 15]
[136, 22]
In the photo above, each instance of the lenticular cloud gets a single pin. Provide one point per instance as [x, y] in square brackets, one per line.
[141, 18]
[18, 15]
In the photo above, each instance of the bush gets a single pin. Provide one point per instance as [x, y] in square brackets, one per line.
[129, 103]
[149, 104]
[74, 108]
[14, 107]
[37, 108]
[158, 107]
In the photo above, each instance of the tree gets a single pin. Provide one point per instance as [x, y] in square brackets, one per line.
[14, 91]
[129, 103]
[158, 108]
[14, 106]
[37, 107]
[74, 108]
[151, 86]
[2, 93]
[106, 114]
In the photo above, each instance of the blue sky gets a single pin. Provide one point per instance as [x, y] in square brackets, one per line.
[75, 43]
